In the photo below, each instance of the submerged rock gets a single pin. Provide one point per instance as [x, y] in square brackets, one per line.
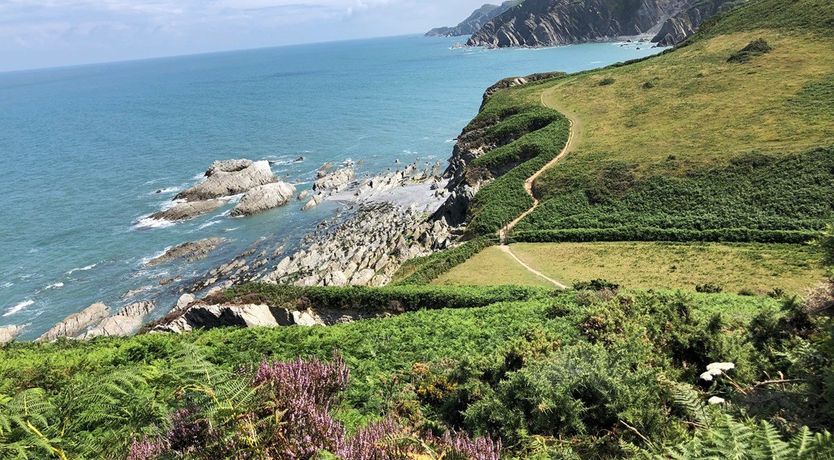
[76, 323]
[8, 333]
[188, 210]
[124, 323]
[223, 183]
[191, 251]
[263, 198]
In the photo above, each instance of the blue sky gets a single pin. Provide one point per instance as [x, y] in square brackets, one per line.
[46, 33]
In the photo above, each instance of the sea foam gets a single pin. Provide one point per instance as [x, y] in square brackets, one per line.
[19, 307]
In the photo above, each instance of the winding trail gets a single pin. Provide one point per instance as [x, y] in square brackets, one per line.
[574, 133]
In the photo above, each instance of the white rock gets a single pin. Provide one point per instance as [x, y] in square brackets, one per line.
[263, 198]
[76, 323]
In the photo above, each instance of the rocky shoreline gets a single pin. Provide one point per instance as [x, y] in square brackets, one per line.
[386, 220]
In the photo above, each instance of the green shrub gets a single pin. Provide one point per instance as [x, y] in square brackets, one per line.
[755, 48]
[606, 81]
[709, 288]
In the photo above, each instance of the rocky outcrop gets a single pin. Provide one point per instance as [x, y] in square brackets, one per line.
[329, 181]
[187, 210]
[226, 179]
[365, 250]
[264, 198]
[75, 324]
[124, 323]
[206, 316]
[474, 22]
[557, 22]
[228, 166]
[8, 333]
[191, 251]
[682, 25]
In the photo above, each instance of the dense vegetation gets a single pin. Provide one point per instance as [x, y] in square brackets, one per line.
[528, 136]
[594, 373]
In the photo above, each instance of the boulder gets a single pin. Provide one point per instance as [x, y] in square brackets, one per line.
[314, 201]
[222, 183]
[8, 333]
[184, 301]
[304, 194]
[335, 181]
[190, 251]
[124, 323]
[263, 198]
[76, 323]
[228, 166]
[189, 210]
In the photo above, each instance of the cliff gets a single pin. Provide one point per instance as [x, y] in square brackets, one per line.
[682, 25]
[557, 22]
[475, 21]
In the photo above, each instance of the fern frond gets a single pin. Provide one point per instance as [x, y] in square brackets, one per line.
[771, 443]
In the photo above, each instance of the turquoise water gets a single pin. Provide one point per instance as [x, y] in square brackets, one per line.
[86, 149]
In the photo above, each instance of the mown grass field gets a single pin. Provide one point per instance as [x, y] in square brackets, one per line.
[490, 267]
[755, 268]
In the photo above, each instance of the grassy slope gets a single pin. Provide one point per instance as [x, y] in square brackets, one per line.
[684, 140]
[735, 267]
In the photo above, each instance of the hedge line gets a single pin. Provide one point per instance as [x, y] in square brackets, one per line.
[388, 298]
[727, 235]
[426, 269]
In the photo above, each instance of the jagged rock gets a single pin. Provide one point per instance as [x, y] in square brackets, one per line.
[682, 25]
[314, 201]
[8, 333]
[474, 22]
[304, 194]
[184, 301]
[191, 251]
[189, 210]
[125, 322]
[222, 183]
[213, 316]
[263, 198]
[228, 166]
[362, 277]
[76, 323]
[336, 180]
[558, 22]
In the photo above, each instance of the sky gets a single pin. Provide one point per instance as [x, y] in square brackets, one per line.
[51, 33]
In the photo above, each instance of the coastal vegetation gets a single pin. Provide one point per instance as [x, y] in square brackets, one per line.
[597, 372]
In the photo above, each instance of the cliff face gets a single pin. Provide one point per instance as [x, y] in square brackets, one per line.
[475, 21]
[680, 26]
[556, 22]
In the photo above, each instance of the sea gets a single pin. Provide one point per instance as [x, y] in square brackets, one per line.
[88, 152]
